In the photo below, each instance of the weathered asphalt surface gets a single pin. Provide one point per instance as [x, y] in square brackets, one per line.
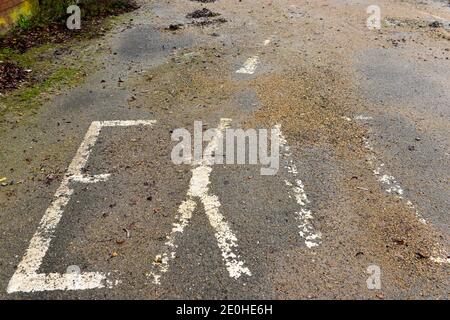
[349, 101]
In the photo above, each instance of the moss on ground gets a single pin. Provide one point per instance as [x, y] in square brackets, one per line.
[28, 98]
[46, 75]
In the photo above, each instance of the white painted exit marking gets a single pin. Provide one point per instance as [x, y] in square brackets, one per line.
[26, 278]
[199, 188]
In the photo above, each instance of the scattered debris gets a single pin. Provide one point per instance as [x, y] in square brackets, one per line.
[204, 1]
[49, 178]
[174, 27]
[436, 24]
[128, 232]
[204, 23]
[3, 182]
[203, 13]
[421, 255]
[411, 23]
[11, 76]
[400, 242]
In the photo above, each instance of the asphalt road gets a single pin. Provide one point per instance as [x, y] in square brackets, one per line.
[363, 180]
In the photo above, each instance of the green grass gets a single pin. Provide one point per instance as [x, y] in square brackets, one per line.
[6, 53]
[62, 76]
[28, 59]
[25, 23]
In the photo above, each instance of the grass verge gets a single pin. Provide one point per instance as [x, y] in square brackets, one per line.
[50, 53]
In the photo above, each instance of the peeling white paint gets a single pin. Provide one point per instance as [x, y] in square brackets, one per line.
[199, 188]
[304, 216]
[346, 118]
[388, 181]
[249, 66]
[26, 278]
[394, 188]
[440, 260]
[363, 118]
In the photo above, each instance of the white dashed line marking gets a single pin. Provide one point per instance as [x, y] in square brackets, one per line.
[199, 188]
[249, 66]
[26, 278]
[304, 216]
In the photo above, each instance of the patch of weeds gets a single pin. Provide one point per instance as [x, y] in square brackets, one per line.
[49, 24]
[25, 22]
[6, 53]
[23, 69]
[27, 59]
